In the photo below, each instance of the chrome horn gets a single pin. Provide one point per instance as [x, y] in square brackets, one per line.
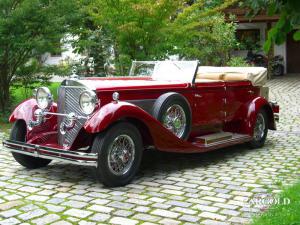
[68, 124]
[39, 115]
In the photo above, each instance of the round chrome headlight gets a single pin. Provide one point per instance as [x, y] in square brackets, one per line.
[88, 101]
[43, 98]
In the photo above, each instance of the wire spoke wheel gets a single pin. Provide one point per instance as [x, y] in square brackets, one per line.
[174, 120]
[260, 126]
[121, 154]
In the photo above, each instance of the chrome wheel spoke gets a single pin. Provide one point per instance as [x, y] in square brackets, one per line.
[259, 129]
[175, 120]
[121, 154]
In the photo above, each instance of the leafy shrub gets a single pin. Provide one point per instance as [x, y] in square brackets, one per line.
[237, 62]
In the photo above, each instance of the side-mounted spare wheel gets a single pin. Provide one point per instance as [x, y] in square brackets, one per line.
[120, 150]
[18, 133]
[173, 111]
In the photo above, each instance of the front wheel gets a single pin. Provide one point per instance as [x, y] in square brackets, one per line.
[120, 151]
[260, 130]
[18, 133]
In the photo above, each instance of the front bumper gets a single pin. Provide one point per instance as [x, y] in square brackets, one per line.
[38, 151]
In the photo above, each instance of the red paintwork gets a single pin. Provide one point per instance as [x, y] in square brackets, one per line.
[215, 106]
[275, 108]
[24, 111]
[130, 84]
[253, 108]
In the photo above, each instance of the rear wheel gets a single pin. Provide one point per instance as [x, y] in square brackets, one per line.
[119, 151]
[18, 133]
[260, 130]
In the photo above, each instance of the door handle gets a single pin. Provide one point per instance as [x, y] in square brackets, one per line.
[198, 96]
[251, 92]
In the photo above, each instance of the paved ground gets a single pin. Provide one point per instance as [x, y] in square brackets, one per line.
[214, 188]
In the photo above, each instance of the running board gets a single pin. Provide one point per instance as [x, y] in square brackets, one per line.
[234, 139]
[213, 138]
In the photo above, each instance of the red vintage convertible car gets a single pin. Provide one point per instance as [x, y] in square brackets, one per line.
[173, 106]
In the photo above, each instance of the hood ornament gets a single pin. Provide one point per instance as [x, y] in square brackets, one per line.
[116, 96]
[74, 76]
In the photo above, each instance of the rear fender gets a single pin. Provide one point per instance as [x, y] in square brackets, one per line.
[162, 138]
[254, 107]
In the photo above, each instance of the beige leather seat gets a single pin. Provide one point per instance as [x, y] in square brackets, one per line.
[235, 76]
[222, 76]
[257, 75]
[210, 76]
[201, 80]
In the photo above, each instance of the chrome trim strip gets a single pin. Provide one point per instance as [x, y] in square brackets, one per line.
[86, 159]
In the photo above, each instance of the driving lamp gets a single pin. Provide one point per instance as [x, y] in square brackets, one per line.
[43, 98]
[87, 102]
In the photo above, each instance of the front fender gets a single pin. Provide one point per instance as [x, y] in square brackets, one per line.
[25, 111]
[162, 138]
[113, 112]
[253, 108]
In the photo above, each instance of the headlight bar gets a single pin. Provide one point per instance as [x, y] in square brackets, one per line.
[40, 117]
[65, 115]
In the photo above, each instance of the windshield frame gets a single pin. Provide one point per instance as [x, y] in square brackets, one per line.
[155, 63]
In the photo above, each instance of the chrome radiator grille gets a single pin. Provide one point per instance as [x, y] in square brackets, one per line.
[68, 101]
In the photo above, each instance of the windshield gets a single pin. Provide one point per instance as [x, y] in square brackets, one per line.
[165, 70]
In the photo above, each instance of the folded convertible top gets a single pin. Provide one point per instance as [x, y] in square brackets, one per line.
[257, 75]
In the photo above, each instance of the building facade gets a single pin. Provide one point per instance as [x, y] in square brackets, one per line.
[256, 29]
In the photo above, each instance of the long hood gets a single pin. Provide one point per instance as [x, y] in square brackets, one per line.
[112, 84]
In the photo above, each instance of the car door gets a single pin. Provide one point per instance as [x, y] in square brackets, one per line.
[208, 108]
[238, 93]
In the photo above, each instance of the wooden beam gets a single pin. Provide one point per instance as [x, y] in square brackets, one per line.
[241, 17]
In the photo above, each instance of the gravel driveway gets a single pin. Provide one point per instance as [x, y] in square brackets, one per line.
[212, 188]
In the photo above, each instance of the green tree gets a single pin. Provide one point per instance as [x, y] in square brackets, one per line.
[289, 11]
[152, 30]
[200, 31]
[136, 29]
[96, 44]
[29, 28]
[209, 39]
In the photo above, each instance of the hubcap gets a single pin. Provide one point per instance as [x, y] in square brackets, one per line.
[121, 154]
[174, 120]
[259, 129]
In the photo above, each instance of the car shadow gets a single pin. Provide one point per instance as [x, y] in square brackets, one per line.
[154, 159]
[154, 163]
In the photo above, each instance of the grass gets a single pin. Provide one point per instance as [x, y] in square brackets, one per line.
[4, 127]
[283, 214]
[19, 95]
